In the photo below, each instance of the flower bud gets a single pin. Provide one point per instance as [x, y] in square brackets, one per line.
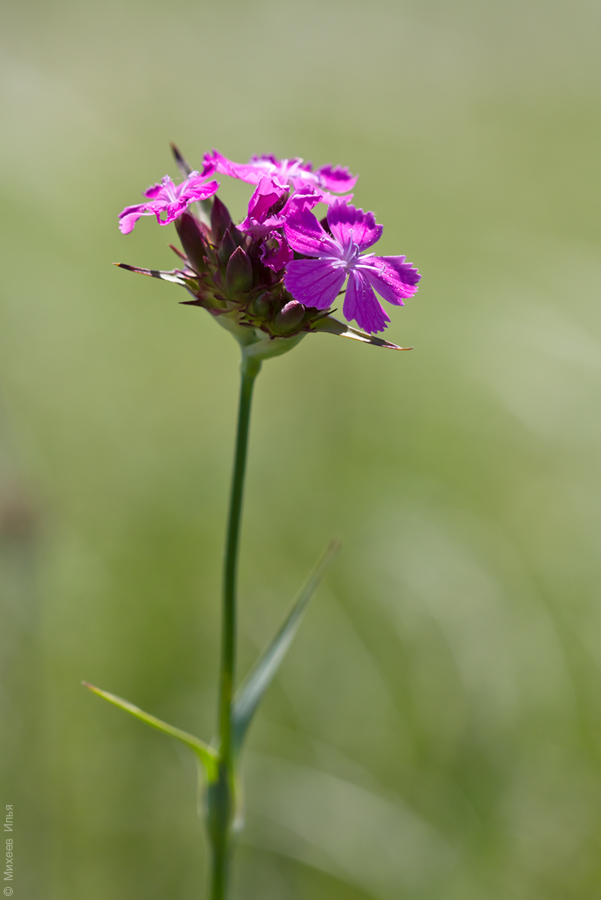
[226, 247]
[191, 236]
[239, 273]
[289, 318]
[262, 305]
[220, 220]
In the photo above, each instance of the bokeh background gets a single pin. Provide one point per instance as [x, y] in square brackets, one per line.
[436, 729]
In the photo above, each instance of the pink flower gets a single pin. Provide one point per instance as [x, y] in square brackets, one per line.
[268, 209]
[168, 201]
[263, 213]
[285, 172]
[271, 204]
[316, 282]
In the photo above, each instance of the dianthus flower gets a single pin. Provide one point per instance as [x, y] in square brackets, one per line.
[268, 209]
[336, 253]
[168, 201]
[285, 172]
[247, 276]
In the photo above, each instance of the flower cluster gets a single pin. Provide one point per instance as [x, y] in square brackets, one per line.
[279, 272]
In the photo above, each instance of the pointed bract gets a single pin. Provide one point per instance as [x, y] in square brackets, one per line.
[184, 167]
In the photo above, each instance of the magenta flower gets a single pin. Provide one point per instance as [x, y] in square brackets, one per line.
[275, 253]
[262, 218]
[168, 201]
[316, 282]
[270, 206]
[268, 209]
[285, 172]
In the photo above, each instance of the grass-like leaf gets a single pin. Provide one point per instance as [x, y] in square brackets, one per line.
[207, 755]
[252, 689]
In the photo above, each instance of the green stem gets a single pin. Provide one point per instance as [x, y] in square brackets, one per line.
[223, 800]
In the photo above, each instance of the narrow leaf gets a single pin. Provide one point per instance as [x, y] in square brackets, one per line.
[251, 691]
[207, 755]
[333, 326]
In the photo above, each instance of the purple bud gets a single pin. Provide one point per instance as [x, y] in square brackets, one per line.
[239, 273]
[289, 318]
[190, 234]
[221, 220]
[227, 246]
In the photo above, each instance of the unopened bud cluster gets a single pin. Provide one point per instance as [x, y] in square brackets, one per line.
[225, 273]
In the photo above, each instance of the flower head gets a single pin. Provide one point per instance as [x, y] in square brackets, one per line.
[272, 279]
[336, 253]
[167, 200]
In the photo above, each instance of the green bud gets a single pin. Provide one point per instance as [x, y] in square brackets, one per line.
[262, 305]
[289, 318]
[239, 273]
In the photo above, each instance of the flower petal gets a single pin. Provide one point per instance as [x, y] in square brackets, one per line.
[276, 253]
[336, 178]
[166, 201]
[362, 305]
[305, 198]
[167, 213]
[196, 188]
[157, 190]
[251, 172]
[265, 195]
[305, 235]
[285, 172]
[314, 282]
[347, 223]
[392, 277]
[328, 198]
[130, 215]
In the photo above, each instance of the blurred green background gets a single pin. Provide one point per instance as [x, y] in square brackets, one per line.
[436, 730]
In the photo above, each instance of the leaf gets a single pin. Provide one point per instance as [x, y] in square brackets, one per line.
[333, 326]
[251, 691]
[207, 755]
